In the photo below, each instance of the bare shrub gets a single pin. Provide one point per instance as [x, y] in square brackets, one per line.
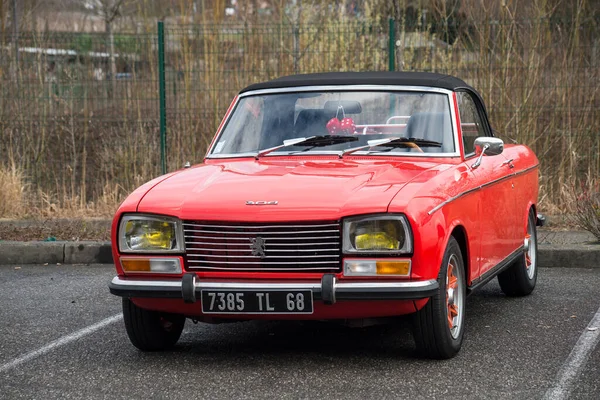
[586, 206]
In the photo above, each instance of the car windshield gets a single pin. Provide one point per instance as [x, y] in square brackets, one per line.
[267, 121]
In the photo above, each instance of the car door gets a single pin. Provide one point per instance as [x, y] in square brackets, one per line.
[497, 230]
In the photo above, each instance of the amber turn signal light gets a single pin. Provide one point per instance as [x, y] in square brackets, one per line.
[362, 267]
[155, 264]
[393, 267]
[136, 265]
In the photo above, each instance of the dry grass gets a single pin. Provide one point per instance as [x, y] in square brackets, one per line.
[104, 206]
[17, 201]
[12, 190]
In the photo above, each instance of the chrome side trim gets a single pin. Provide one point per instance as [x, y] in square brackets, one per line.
[451, 199]
[458, 196]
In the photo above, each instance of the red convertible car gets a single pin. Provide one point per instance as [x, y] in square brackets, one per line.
[333, 196]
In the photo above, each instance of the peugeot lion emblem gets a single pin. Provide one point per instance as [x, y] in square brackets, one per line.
[257, 246]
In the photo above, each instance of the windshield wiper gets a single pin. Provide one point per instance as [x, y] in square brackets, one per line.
[392, 143]
[310, 142]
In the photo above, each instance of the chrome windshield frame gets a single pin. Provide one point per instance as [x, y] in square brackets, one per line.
[342, 88]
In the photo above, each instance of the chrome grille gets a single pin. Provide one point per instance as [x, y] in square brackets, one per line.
[269, 247]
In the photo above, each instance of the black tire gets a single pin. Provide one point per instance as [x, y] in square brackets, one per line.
[431, 330]
[151, 330]
[517, 280]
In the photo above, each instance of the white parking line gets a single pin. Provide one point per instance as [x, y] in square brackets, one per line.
[60, 342]
[576, 361]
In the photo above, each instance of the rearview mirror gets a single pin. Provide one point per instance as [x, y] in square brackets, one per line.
[487, 145]
[349, 106]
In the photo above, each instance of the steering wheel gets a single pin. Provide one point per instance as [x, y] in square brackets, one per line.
[414, 146]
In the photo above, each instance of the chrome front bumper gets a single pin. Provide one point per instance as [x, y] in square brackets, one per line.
[329, 289]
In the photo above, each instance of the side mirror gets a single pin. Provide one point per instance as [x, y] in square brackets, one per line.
[487, 145]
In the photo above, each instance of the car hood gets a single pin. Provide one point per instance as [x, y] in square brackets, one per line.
[303, 189]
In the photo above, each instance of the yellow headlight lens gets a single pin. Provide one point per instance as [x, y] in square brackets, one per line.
[378, 235]
[376, 241]
[149, 235]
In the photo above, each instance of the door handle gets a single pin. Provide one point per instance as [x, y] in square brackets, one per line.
[509, 163]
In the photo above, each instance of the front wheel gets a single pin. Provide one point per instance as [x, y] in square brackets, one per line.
[520, 278]
[439, 326]
[151, 330]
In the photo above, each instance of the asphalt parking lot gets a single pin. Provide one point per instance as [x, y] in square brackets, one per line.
[61, 337]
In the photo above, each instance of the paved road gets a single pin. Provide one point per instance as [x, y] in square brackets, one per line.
[514, 348]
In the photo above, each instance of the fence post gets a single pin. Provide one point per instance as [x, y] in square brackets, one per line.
[392, 46]
[162, 96]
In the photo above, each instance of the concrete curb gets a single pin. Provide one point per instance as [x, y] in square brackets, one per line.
[569, 255]
[55, 252]
[572, 255]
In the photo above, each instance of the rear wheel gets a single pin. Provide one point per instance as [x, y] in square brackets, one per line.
[520, 278]
[151, 330]
[439, 326]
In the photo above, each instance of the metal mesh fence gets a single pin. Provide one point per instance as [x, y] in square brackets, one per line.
[81, 121]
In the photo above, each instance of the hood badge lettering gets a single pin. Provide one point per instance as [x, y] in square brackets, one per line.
[261, 203]
[257, 246]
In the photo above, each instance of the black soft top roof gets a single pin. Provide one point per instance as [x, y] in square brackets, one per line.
[364, 78]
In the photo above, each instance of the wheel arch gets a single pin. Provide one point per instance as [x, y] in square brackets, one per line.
[460, 234]
[530, 206]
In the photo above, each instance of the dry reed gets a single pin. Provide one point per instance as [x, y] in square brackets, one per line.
[12, 190]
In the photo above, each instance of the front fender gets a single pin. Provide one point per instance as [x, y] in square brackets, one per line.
[130, 205]
[430, 236]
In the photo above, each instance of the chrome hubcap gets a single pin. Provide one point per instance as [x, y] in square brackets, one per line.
[454, 297]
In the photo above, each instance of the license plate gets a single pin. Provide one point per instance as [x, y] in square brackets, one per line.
[251, 302]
